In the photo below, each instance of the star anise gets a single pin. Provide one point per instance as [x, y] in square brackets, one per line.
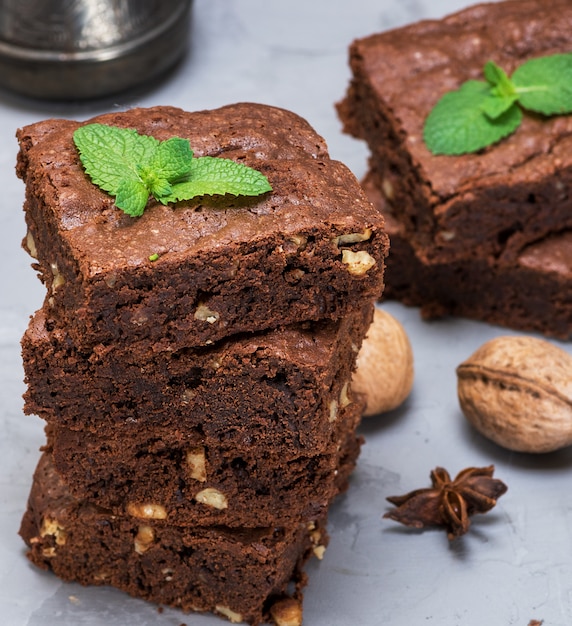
[449, 503]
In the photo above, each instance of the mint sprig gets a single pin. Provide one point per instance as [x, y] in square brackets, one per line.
[132, 167]
[480, 113]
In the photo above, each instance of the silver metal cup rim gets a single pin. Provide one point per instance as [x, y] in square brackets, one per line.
[116, 51]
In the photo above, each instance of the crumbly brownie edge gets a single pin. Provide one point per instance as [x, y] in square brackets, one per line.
[499, 220]
[523, 294]
[366, 116]
[233, 573]
[283, 386]
[167, 311]
[200, 485]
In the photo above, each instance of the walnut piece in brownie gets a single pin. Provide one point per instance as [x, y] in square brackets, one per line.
[491, 204]
[308, 250]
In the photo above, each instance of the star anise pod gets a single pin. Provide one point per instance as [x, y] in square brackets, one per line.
[449, 503]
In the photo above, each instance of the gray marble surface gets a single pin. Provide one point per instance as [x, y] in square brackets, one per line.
[515, 565]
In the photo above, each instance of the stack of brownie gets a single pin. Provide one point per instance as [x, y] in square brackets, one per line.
[193, 364]
[485, 235]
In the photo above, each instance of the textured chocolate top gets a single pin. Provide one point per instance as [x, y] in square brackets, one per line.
[412, 67]
[308, 188]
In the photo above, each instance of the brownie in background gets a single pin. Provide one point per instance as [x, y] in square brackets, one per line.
[481, 235]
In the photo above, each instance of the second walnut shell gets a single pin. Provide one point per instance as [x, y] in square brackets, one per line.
[517, 391]
[384, 368]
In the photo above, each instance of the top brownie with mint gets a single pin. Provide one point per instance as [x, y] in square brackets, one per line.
[492, 202]
[190, 272]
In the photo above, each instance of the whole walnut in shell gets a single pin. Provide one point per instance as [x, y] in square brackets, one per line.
[384, 371]
[517, 391]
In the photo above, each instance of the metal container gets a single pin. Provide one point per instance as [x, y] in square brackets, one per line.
[79, 49]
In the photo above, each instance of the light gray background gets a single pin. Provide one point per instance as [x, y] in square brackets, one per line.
[516, 563]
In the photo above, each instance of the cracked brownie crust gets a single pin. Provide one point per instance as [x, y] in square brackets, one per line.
[225, 265]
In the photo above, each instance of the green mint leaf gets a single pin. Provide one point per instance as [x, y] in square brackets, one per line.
[215, 176]
[503, 94]
[478, 115]
[160, 188]
[493, 73]
[131, 197]
[544, 84]
[155, 184]
[131, 167]
[501, 83]
[494, 106]
[457, 124]
[110, 155]
[172, 159]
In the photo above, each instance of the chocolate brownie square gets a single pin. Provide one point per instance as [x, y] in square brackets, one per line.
[311, 249]
[531, 293]
[188, 483]
[493, 203]
[282, 386]
[236, 573]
